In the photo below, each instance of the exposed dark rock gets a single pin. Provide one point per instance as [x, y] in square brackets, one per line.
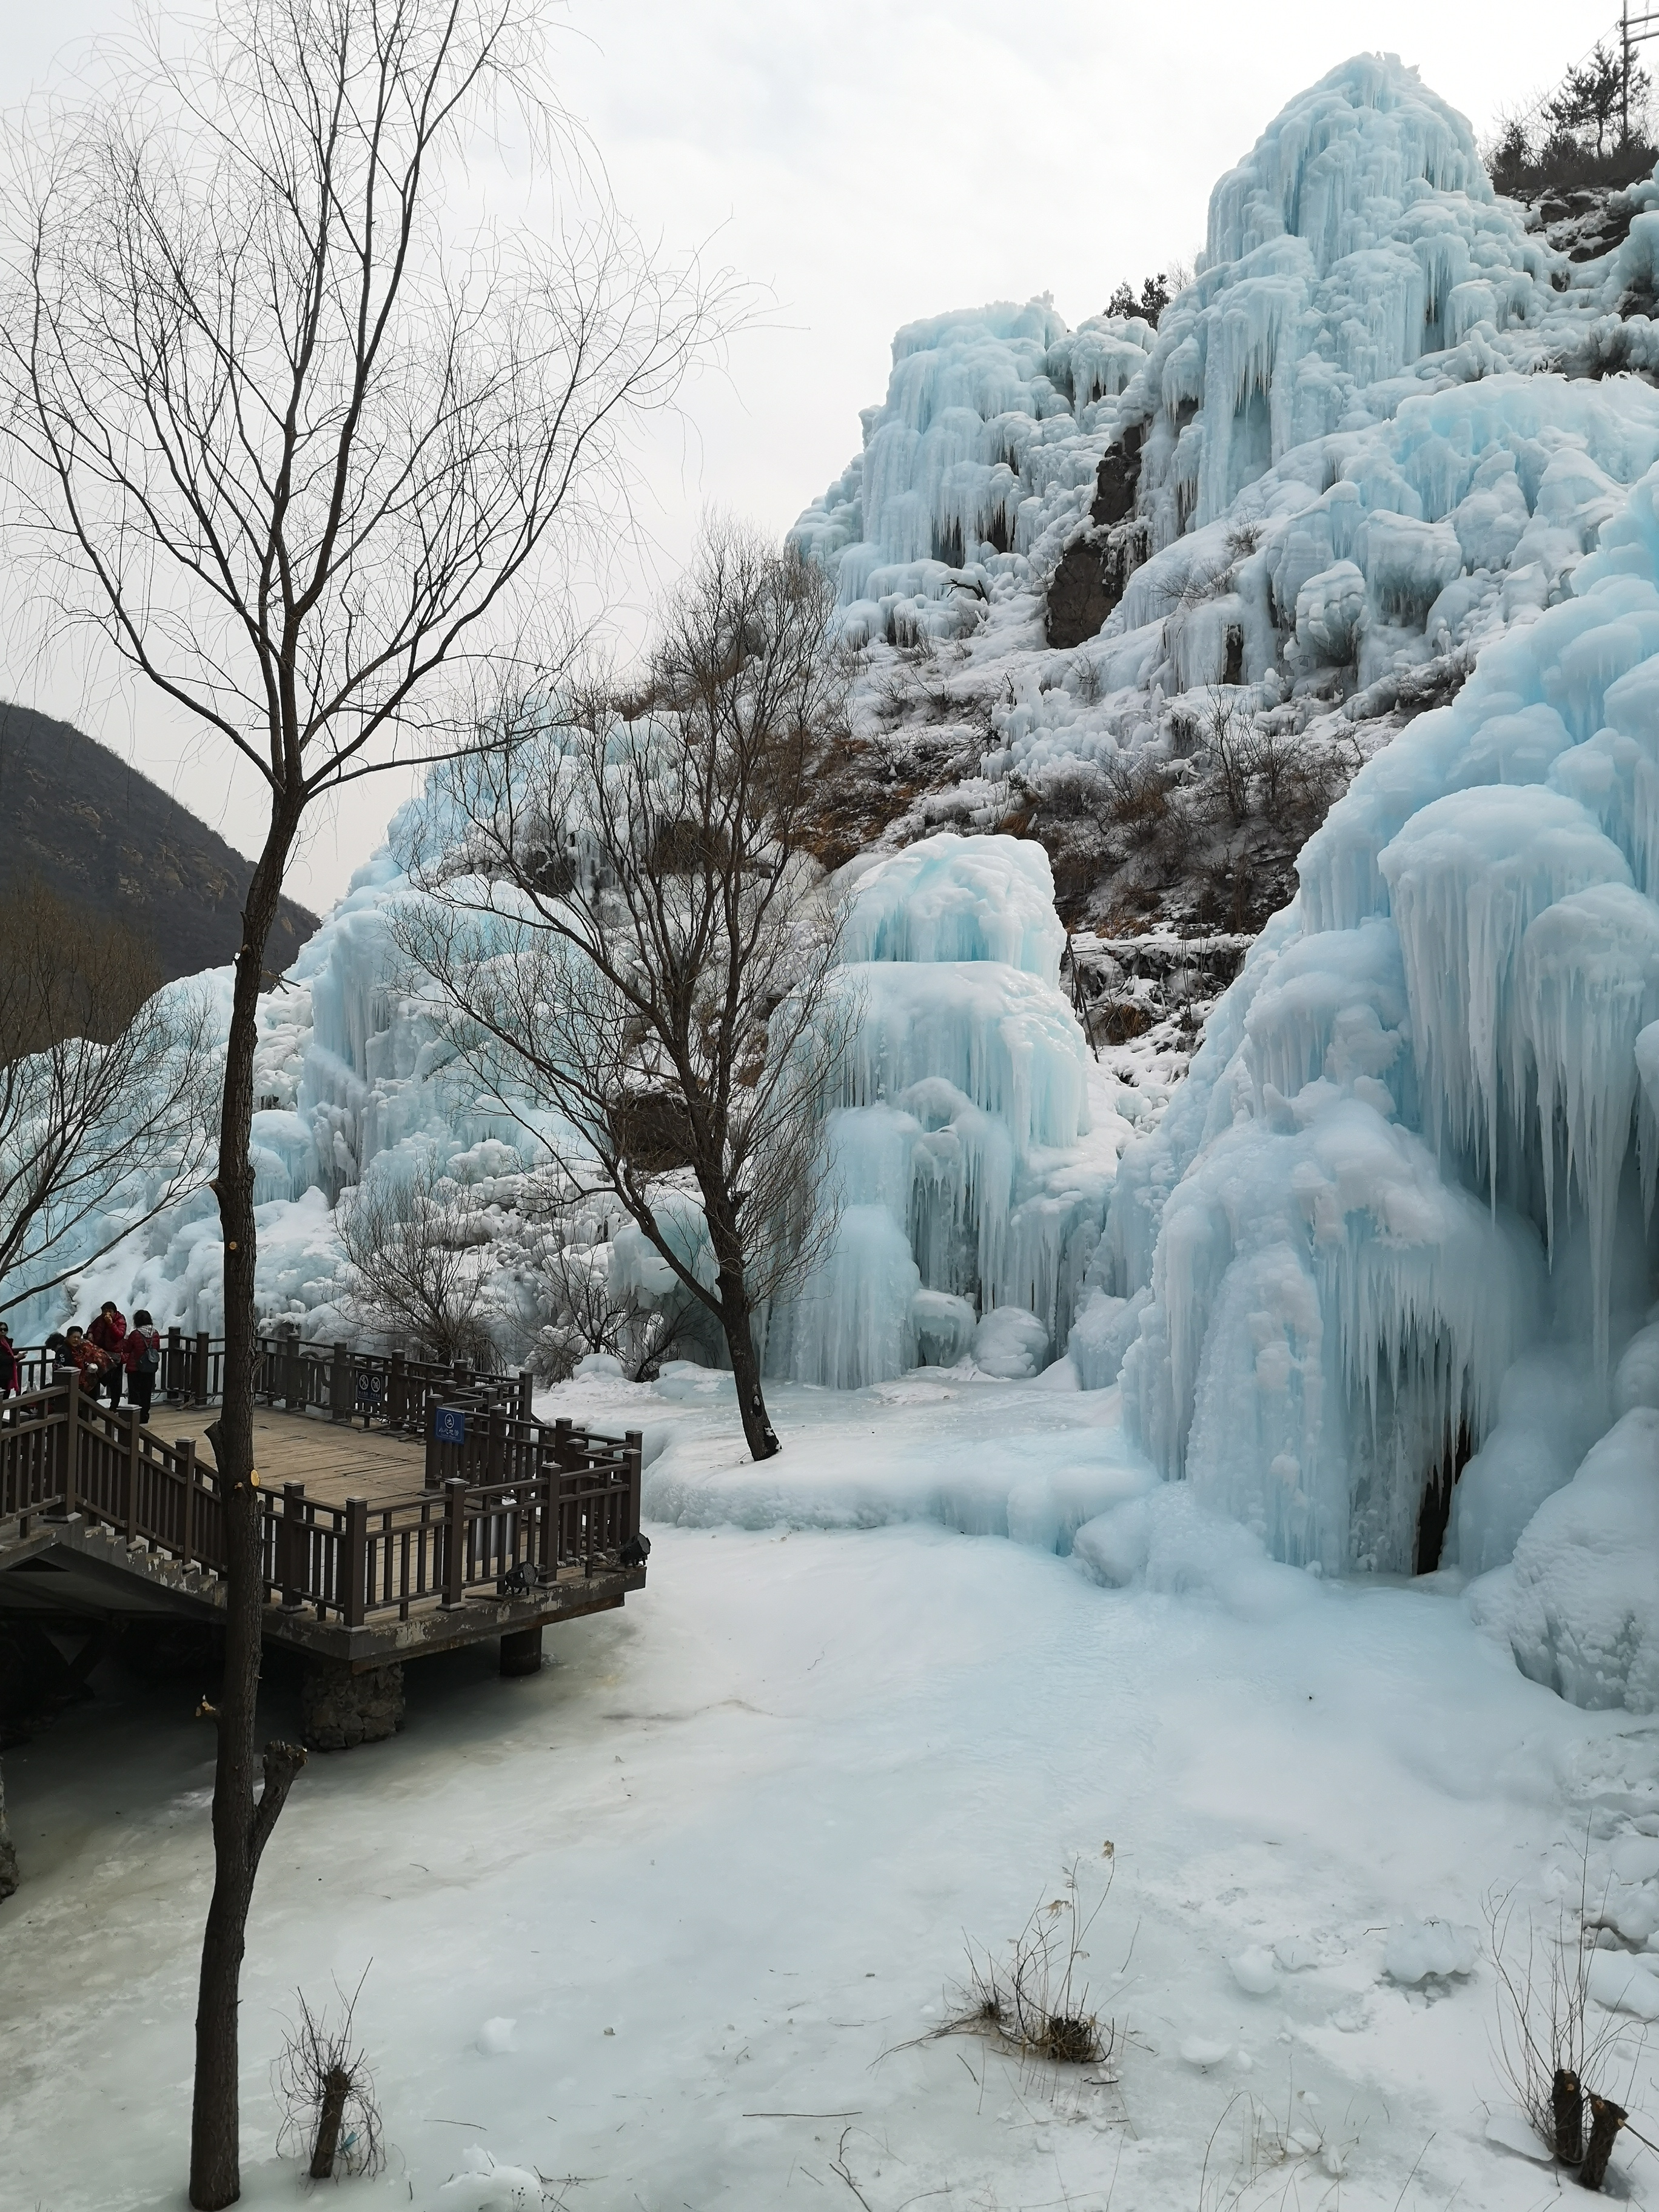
[1117, 479]
[1092, 571]
[1090, 580]
[1078, 601]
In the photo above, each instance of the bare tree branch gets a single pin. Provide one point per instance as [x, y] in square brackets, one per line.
[631, 930]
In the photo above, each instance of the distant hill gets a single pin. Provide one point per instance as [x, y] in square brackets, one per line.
[94, 830]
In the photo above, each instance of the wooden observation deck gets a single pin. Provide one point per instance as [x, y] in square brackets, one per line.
[448, 1517]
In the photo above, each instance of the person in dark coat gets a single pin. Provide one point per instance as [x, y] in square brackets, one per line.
[109, 1332]
[140, 1356]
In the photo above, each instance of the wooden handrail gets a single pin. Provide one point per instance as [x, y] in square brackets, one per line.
[561, 1497]
[337, 1379]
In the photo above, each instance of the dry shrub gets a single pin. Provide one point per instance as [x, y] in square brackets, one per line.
[329, 2117]
[1559, 2060]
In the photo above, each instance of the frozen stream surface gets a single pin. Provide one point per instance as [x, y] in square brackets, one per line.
[717, 1864]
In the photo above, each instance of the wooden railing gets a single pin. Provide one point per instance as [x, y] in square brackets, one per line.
[386, 1389]
[572, 1499]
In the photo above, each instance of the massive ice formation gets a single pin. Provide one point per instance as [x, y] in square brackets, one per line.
[989, 416]
[970, 1177]
[1417, 1148]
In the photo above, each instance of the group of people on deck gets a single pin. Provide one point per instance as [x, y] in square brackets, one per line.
[109, 1351]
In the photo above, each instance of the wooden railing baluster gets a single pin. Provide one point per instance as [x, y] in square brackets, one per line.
[135, 1458]
[355, 1562]
[454, 1541]
[69, 1483]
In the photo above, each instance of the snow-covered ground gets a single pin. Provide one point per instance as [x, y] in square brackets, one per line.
[667, 1922]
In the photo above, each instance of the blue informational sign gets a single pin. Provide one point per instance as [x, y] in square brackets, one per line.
[449, 1425]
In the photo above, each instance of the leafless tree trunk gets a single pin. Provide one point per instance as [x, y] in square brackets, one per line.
[293, 453]
[633, 929]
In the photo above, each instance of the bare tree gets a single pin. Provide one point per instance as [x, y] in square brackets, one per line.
[633, 929]
[417, 1247]
[292, 449]
[590, 1313]
[108, 1089]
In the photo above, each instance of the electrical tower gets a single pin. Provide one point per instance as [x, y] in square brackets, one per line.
[1633, 31]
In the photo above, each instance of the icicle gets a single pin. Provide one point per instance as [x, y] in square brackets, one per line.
[1590, 984]
[1466, 876]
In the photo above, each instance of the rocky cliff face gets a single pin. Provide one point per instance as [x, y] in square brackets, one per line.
[93, 829]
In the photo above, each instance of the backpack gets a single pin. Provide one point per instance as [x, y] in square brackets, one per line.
[148, 1360]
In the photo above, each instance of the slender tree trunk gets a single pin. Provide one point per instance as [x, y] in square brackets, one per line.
[240, 1822]
[736, 1317]
[1567, 2103]
[7, 1855]
[737, 1321]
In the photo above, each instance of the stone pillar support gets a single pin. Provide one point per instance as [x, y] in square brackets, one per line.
[339, 1709]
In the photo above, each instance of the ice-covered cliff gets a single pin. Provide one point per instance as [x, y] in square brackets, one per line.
[1382, 1277]
[1376, 428]
[1407, 1191]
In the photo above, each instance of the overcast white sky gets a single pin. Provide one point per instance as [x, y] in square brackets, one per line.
[870, 162]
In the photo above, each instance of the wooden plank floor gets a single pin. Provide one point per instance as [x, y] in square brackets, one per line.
[334, 1462]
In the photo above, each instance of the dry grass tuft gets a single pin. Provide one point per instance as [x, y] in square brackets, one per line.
[1034, 2002]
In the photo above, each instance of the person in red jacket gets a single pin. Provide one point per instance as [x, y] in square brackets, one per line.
[109, 1332]
[80, 1351]
[141, 1355]
[11, 1367]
